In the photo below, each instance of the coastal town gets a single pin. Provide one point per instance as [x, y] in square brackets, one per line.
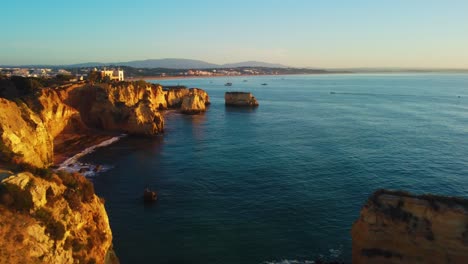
[117, 72]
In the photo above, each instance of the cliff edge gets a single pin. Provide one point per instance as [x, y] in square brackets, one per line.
[48, 217]
[398, 227]
[55, 218]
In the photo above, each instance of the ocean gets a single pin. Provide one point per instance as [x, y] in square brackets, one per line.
[284, 182]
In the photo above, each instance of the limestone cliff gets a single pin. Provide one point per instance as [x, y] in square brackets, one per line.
[176, 96]
[240, 99]
[398, 227]
[53, 219]
[119, 108]
[57, 218]
[24, 138]
[195, 101]
[132, 93]
[30, 124]
[55, 114]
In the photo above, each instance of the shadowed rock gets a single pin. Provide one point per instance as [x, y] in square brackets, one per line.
[240, 99]
[398, 227]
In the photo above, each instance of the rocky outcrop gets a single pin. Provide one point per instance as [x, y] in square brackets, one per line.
[195, 101]
[24, 138]
[132, 93]
[52, 219]
[115, 108]
[30, 123]
[240, 99]
[398, 227]
[55, 114]
[174, 96]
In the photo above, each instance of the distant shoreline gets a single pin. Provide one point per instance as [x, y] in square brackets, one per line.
[223, 76]
[286, 74]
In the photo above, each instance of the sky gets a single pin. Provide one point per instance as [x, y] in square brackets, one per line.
[298, 33]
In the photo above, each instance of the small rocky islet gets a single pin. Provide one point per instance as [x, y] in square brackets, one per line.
[240, 99]
[55, 217]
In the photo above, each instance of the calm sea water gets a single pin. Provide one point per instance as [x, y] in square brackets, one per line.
[284, 181]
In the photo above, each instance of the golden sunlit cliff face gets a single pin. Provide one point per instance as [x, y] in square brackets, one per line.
[24, 137]
[120, 109]
[29, 124]
[195, 101]
[53, 219]
[397, 227]
[50, 217]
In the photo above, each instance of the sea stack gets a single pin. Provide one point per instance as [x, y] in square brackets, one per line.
[240, 99]
[195, 102]
[398, 227]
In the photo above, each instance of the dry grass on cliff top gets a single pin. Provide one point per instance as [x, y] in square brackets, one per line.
[433, 200]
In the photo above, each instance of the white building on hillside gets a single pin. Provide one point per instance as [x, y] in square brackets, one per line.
[117, 75]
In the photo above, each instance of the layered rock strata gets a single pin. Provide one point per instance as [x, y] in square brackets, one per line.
[53, 219]
[195, 101]
[398, 227]
[240, 99]
[29, 124]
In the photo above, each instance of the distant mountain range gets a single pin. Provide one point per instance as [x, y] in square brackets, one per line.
[177, 64]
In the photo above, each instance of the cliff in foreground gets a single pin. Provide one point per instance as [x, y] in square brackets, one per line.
[55, 218]
[50, 217]
[398, 227]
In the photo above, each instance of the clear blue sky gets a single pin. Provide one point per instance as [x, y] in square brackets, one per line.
[347, 33]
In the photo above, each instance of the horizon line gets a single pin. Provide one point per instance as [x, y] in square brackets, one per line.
[217, 64]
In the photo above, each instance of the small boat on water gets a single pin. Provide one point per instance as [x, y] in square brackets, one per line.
[332, 93]
[264, 83]
[228, 84]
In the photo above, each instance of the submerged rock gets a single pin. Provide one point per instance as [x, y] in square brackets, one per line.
[240, 99]
[398, 227]
[149, 196]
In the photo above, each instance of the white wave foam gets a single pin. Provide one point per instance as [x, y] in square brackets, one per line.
[333, 255]
[290, 261]
[88, 170]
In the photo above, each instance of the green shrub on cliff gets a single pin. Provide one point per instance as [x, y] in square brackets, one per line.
[54, 228]
[12, 196]
[45, 173]
[79, 190]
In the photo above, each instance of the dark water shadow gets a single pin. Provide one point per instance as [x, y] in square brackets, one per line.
[240, 109]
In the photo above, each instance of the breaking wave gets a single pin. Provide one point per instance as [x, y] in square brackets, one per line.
[333, 256]
[89, 170]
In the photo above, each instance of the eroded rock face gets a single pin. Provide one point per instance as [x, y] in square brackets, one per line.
[29, 125]
[132, 93]
[59, 220]
[174, 97]
[240, 99]
[24, 136]
[397, 227]
[55, 114]
[195, 101]
[116, 109]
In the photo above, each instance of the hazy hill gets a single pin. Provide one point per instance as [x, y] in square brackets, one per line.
[179, 64]
[169, 64]
[253, 64]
